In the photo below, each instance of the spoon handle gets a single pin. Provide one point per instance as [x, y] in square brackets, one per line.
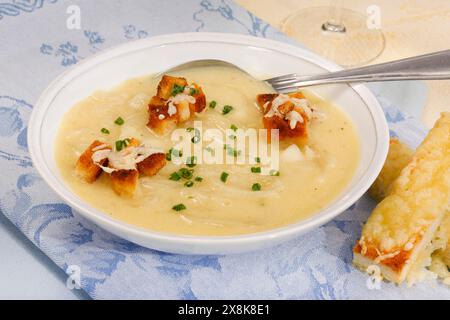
[433, 66]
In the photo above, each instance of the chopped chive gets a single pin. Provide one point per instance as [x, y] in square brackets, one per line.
[256, 187]
[173, 152]
[193, 91]
[274, 173]
[190, 129]
[179, 207]
[224, 177]
[212, 104]
[176, 89]
[258, 160]
[256, 169]
[119, 145]
[119, 121]
[105, 131]
[175, 176]
[233, 127]
[189, 183]
[186, 173]
[227, 109]
[199, 179]
[191, 161]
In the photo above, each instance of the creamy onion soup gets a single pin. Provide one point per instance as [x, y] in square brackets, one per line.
[209, 199]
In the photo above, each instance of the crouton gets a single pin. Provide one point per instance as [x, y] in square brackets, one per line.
[167, 84]
[152, 164]
[290, 120]
[200, 99]
[264, 98]
[85, 166]
[159, 120]
[184, 111]
[174, 103]
[124, 182]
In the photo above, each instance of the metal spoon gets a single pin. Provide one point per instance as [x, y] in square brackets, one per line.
[433, 66]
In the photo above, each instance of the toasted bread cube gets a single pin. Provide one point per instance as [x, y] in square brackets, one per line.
[85, 167]
[262, 99]
[200, 99]
[299, 133]
[159, 120]
[152, 164]
[157, 106]
[166, 85]
[124, 182]
[184, 111]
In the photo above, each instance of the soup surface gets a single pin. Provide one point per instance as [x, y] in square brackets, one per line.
[307, 182]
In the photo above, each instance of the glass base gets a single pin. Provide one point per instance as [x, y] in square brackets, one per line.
[352, 44]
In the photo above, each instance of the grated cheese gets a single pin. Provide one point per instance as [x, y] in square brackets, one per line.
[181, 97]
[294, 116]
[126, 159]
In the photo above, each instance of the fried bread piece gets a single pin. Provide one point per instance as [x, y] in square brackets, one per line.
[85, 166]
[168, 84]
[159, 119]
[124, 182]
[123, 165]
[289, 114]
[174, 103]
[152, 164]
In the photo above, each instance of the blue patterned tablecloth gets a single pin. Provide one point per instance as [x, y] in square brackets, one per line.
[36, 46]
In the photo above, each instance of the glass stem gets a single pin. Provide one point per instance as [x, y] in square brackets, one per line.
[334, 23]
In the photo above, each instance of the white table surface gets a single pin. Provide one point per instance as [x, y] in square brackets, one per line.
[26, 273]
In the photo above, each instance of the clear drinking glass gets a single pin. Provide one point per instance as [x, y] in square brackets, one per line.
[339, 34]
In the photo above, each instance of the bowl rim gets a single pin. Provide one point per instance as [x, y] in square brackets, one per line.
[290, 230]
